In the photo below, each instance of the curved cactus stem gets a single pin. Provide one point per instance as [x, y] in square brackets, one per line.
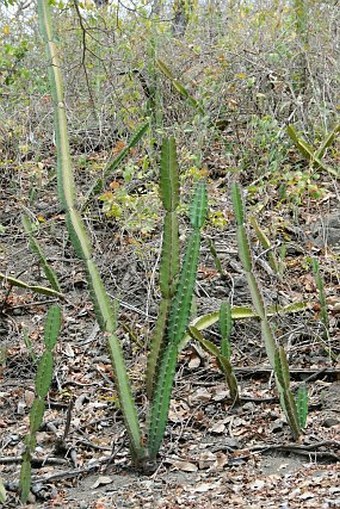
[12, 281]
[276, 355]
[81, 241]
[223, 362]
[50, 274]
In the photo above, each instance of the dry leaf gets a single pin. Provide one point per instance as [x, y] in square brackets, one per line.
[29, 398]
[194, 362]
[202, 395]
[69, 351]
[101, 481]
[185, 466]
[218, 428]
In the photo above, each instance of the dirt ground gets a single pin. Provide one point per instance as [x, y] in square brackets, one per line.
[214, 454]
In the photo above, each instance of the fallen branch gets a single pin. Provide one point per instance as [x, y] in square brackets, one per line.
[307, 374]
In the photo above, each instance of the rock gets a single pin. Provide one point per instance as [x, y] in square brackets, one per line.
[326, 230]
[331, 421]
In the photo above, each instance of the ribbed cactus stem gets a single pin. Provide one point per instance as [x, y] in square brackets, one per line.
[169, 264]
[43, 382]
[176, 327]
[226, 323]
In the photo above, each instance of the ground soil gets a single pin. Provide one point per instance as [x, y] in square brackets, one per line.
[214, 453]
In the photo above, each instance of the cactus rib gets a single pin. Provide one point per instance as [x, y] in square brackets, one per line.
[176, 327]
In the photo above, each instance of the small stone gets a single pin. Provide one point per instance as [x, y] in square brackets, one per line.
[329, 422]
[21, 408]
[277, 426]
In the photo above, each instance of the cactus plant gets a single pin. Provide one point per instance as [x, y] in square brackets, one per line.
[276, 354]
[176, 296]
[176, 325]
[35, 247]
[43, 382]
[322, 299]
[80, 238]
[301, 400]
[169, 265]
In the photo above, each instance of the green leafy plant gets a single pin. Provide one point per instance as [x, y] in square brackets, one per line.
[42, 385]
[132, 211]
[276, 354]
[312, 155]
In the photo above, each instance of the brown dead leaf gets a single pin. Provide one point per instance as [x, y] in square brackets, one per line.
[218, 428]
[184, 466]
[102, 481]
